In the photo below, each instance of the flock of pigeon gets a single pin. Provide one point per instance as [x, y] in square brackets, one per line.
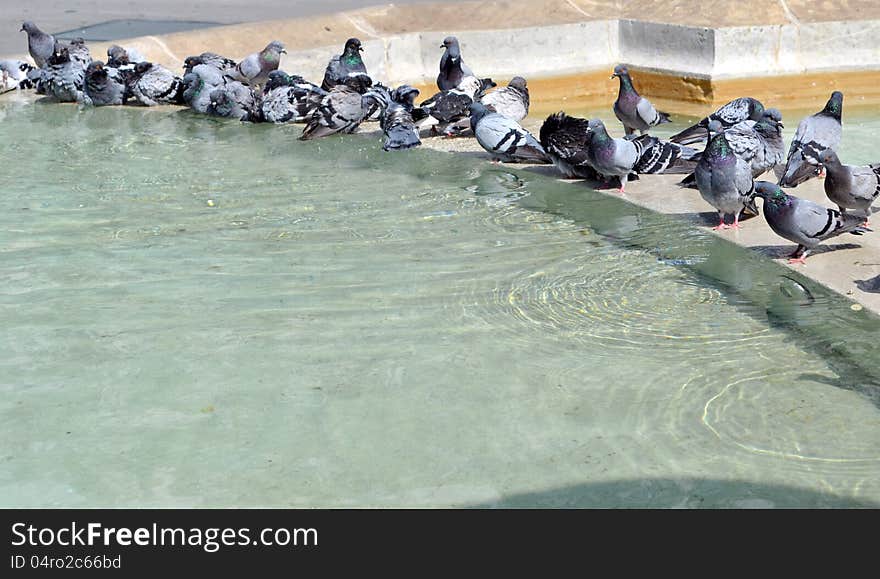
[742, 140]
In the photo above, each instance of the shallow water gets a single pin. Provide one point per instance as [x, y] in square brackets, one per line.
[203, 313]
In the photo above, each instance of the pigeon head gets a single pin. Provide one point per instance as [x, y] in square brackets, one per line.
[96, 69]
[620, 70]
[774, 114]
[60, 55]
[117, 56]
[359, 82]
[518, 82]
[405, 95]
[834, 106]
[142, 67]
[222, 102]
[450, 43]
[352, 47]
[715, 127]
[30, 28]
[596, 129]
[191, 62]
[770, 192]
[277, 78]
[828, 157]
[486, 84]
[273, 50]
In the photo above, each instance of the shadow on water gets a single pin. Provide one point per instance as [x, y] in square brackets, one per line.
[678, 493]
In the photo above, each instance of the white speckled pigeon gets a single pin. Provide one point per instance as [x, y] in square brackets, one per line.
[151, 84]
[565, 140]
[814, 134]
[446, 108]
[737, 110]
[341, 111]
[41, 46]
[234, 100]
[63, 78]
[79, 52]
[724, 179]
[850, 186]
[511, 101]
[504, 138]
[14, 75]
[287, 99]
[802, 221]
[634, 111]
[221, 63]
[396, 117]
[623, 158]
[102, 88]
[342, 66]
[452, 67]
[254, 69]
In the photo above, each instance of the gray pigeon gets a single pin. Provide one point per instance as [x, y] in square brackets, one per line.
[123, 58]
[102, 87]
[724, 179]
[234, 100]
[151, 84]
[396, 119]
[850, 186]
[627, 158]
[634, 111]
[814, 134]
[254, 69]
[452, 67]
[14, 74]
[566, 140]
[287, 99]
[41, 46]
[199, 84]
[802, 221]
[341, 111]
[737, 110]
[511, 101]
[342, 66]
[504, 138]
[79, 52]
[63, 78]
[221, 63]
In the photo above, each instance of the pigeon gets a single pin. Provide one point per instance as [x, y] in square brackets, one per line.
[41, 46]
[15, 74]
[341, 111]
[634, 111]
[342, 66]
[122, 58]
[504, 138]
[103, 88]
[802, 221]
[814, 134]
[287, 99]
[396, 119]
[446, 108]
[221, 63]
[199, 84]
[760, 144]
[63, 78]
[79, 52]
[622, 158]
[254, 70]
[511, 101]
[724, 179]
[850, 186]
[151, 84]
[234, 100]
[565, 140]
[452, 68]
[737, 110]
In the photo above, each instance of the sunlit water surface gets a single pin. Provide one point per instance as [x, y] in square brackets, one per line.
[204, 313]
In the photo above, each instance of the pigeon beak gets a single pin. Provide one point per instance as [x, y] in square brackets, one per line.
[781, 125]
[613, 75]
[283, 51]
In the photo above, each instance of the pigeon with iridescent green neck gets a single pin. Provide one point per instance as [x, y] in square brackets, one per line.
[724, 179]
[803, 222]
[634, 111]
[344, 65]
[850, 186]
[254, 70]
[814, 134]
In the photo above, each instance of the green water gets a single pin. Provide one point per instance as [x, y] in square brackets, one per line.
[204, 313]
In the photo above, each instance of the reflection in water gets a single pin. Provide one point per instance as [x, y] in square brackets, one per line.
[209, 313]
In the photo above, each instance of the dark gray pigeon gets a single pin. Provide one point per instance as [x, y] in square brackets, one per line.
[565, 140]
[737, 110]
[63, 78]
[504, 138]
[221, 63]
[724, 179]
[814, 134]
[151, 85]
[634, 111]
[199, 84]
[803, 222]
[850, 186]
[41, 46]
[233, 100]
[452, 67]
[342, 66]
[341, 111]
[79, 52]
[103, 88]
[396, 119]
[447, 108]
[254, 69]
[627, 158]
[287, 99]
